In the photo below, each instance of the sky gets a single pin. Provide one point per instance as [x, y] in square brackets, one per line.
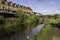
[46, 7]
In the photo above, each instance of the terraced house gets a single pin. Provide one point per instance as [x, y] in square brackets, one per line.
[13, 7]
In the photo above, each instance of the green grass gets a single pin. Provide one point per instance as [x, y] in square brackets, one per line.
[44, 33]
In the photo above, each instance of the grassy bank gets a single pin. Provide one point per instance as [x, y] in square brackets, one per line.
[46, 32]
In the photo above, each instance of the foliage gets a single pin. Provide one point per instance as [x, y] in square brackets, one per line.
[31, 21]
[18, 24]
[45, 33]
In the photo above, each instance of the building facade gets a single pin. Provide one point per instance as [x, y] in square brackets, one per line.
[9, 6]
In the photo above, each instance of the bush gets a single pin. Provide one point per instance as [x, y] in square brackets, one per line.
[44, 34]
[18, 24]
[31, 21]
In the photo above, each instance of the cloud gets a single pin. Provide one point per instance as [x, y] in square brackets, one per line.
[52, 2]
[39, 0]
[47, 12]
[57, 11]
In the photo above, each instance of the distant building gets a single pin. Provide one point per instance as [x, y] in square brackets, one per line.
[38, 14]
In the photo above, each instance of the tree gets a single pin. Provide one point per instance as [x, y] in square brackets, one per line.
[56, 16]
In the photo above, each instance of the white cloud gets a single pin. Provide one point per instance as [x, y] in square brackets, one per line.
[52, 2]
[47, 12]
[57, 11]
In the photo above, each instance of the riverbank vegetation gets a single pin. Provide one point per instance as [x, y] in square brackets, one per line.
[19, 24]
[46, 32]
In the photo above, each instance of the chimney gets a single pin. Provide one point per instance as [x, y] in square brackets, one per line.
[17, 5]
[14, 4]
[10, 3]
[4, 0]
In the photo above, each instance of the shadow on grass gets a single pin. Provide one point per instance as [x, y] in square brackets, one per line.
[57, 25]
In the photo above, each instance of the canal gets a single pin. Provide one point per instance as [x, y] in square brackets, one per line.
[27, 36]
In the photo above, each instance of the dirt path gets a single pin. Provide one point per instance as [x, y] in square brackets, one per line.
[56, 34]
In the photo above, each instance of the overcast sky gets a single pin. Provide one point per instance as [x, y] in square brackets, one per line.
[41, 6]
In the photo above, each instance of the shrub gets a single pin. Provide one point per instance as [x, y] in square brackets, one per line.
[18, 24]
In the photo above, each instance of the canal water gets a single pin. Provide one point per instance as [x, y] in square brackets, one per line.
[27, 36]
